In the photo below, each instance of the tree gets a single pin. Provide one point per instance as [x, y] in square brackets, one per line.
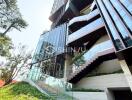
[16, 23]
[10, 17]
[17, 62]
[79, 62]
[5, 45]
[78, 58]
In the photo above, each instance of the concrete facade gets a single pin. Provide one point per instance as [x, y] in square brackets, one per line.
[107, 67]
[102, 39]
[103, 82]
[127, 72]
[89, 95]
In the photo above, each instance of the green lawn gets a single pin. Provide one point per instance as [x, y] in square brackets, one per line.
[21, 91]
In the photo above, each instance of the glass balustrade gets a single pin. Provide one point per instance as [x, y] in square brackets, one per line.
[56, 83]
[35, 73]
[90, 54]
[62, 88]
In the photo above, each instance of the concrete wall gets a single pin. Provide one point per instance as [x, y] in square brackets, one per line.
[86, 10]
[89, 95]
[102, 39]
[108, 67]
[103, 82]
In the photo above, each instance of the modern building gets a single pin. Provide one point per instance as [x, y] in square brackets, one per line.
[90, 46]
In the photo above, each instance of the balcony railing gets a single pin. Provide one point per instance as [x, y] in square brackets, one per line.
[51, 86]
[58, 84]
[93, 26]
[84, 17]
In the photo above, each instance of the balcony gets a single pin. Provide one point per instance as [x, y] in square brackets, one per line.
[63, 14]
[87, 33]
[68, 11]
[84, 17]
[78, 22]
[92, 58]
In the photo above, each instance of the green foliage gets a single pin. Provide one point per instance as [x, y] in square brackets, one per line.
[77, 56]
[9, 3]
[5, 74]
[10, 17]
[5, 45]
[17, 62]
[78, 59]
[21, 91]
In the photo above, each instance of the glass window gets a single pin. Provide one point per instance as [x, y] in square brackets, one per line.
[127, 4]
[126, 17]
[47, 48]
[124, 32]
[114, 35]
[130, 8]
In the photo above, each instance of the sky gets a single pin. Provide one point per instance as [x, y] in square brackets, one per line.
[36, 14]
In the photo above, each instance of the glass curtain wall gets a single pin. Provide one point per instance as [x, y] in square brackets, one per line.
[50, 47]
[118, 21]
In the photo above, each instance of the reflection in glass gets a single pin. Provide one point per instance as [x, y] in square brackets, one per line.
[49, 48]
[127, 4]
[57, 84]
[35, 72]
[113, 31]
[123, 31]
[126, 17]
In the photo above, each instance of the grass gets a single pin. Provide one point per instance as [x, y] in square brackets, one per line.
[21, 91]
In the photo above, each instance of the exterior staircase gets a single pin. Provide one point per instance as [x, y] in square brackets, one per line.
[57, 94]
[96, 60]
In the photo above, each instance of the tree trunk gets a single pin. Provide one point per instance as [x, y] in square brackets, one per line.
[8, 28]
[8, 82]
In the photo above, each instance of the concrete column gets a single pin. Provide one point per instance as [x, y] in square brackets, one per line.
[109, 94]
[127, 72]
[74, 9]
[68, 66]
